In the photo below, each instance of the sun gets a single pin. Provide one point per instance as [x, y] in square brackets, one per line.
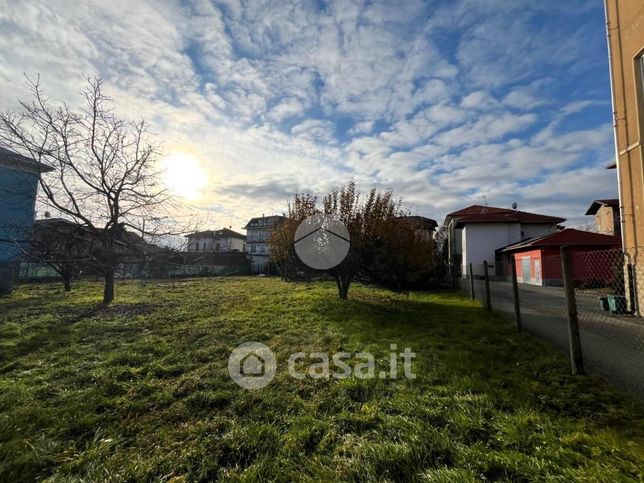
[184, 175]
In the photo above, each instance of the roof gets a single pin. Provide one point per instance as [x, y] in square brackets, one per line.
[255, 221]
[55, 222]
[565, 237]
[421, 220]
[490, 214]
[476, 209]
[63, 226]
[12, 159]
[223, 233]
[597, 204]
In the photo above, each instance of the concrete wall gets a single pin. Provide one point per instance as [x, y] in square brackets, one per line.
[532, 230]
[211, 244]
[481, 240]
[607, 221]
[625, 20]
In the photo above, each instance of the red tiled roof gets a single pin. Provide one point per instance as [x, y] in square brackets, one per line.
[568, 236]
[476, 209]
[490, 214]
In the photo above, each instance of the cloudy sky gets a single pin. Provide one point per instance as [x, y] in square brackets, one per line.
[444, 101]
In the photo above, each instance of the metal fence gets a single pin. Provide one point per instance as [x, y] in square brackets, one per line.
[588, 303]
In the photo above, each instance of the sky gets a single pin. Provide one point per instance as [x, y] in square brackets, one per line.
[446, 102]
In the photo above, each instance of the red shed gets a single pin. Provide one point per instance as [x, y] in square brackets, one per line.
[538, 260]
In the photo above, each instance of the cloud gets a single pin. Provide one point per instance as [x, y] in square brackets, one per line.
[315, 130]
[479, 100]
[443, 101]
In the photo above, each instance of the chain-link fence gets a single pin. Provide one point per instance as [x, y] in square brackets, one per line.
[605, 306]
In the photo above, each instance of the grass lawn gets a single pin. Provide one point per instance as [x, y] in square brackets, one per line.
[140, 390]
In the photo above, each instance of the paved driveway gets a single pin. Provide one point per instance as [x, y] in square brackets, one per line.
[612, 346]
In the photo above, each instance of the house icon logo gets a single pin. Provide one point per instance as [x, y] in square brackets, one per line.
[252, 365]
[322, 241]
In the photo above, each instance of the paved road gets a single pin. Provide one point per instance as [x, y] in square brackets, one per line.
[612, 346]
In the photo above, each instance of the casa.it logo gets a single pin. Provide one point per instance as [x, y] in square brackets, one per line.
[252, 365]
[322, 241]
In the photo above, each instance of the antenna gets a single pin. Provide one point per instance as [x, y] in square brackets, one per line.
[484, 198]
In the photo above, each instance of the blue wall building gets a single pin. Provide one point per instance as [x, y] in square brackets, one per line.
[19, 177]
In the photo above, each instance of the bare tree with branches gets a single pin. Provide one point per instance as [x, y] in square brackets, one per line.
[104, 168]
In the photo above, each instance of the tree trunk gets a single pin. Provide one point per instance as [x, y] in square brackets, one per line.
[66, 273]
[343, 284]
[108, 290]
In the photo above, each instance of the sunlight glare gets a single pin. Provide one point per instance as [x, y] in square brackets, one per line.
[184, 175]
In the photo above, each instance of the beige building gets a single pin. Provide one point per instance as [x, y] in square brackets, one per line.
[625, 30]
[607, 218]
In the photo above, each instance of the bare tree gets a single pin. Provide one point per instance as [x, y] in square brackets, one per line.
[104, 176]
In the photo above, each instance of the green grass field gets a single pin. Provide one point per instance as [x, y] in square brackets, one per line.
[140, 390]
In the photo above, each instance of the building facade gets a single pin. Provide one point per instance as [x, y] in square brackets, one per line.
[476, 233]
[607, 218]
[257, 233]
[625, 31]
[423, 227]
[538, 260]
[223, 240]
[19, 178]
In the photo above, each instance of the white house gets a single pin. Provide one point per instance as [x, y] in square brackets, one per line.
[223, 240]
[476, 232]
[257, 232]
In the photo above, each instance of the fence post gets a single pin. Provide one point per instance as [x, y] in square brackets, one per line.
[488, 298]
[472, 282]
[515, 290]
[576, 360]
